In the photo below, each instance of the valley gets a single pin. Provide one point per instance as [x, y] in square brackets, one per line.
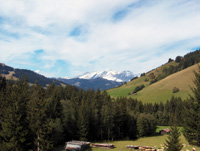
[128, 112]
[121, 72]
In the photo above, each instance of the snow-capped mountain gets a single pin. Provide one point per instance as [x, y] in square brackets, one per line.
[123, 76]
[99, 80]
[66, 78]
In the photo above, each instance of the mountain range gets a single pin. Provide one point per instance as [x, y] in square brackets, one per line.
[156, 85]
[96, 80]
[123, 76]
[14, 74]
[99, 80]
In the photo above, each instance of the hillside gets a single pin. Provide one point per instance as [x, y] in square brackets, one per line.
[161, 90]
[15, 74]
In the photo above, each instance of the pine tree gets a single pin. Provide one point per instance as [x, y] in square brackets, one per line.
[15, 131]
[36, 114]
[83, 122]
[173, 142]
[192, 114]
[146, 125]
[44, 114]
[107, 120]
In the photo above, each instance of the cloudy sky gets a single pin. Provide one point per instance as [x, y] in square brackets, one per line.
[59, 38]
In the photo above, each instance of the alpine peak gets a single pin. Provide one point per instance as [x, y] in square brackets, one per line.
[112, 75]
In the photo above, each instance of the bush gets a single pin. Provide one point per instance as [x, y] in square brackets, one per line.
[138, 88]
[152, 76]
[170, 60]
[175, 90]
[178, 59]
[153, 81]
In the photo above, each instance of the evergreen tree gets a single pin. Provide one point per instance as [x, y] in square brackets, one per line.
[2, 82]
[52, 127]
[36, 115]
[146, 125]
[107, 120]
[173, 142]
[45, 117]
[192, 114]
[117, 120]
[69, 120]
[14, 123]
[83, 121]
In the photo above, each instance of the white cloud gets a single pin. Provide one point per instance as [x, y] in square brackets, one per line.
[147, 35]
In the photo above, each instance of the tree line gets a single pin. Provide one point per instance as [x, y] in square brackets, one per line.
[184, 62]
[33, 117]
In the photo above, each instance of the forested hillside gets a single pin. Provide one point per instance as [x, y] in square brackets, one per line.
[32, 115]
[15, 74]
[160, 84]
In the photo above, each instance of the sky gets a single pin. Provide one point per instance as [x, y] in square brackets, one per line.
[66, 38]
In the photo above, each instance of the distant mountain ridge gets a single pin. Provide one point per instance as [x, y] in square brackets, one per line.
[98, 80]
[97, 83]
[111, 75]
[14, 74]
[102, 80]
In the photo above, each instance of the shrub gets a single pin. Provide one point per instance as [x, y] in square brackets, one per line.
[153, 81]
[175, 90]
[178, 59]
[138, 88]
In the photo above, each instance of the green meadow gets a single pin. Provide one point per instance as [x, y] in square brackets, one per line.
[160, 91]
[156, 141]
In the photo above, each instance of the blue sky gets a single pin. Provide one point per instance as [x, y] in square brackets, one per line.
[59, 38]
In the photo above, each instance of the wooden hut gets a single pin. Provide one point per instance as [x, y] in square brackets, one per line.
[165, 131]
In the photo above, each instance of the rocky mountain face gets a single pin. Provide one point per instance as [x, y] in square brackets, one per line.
[99, 80]
[123, 76]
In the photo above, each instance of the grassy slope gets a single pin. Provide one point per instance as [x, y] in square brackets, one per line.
[160, 91]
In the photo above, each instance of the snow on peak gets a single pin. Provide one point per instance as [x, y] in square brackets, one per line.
[123, 76]
[66, 77]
